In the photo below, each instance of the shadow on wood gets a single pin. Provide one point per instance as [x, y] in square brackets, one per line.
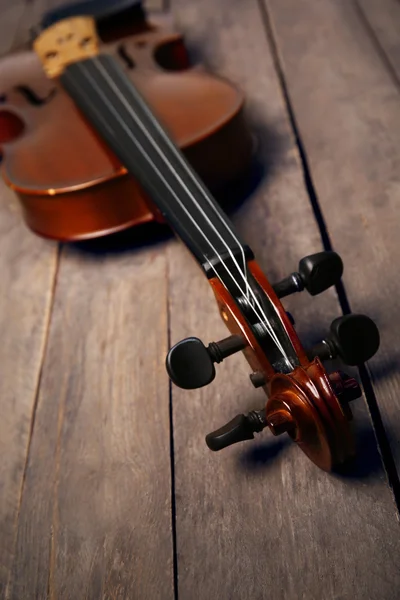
[230, 197]
[259, 456]
[367, 461]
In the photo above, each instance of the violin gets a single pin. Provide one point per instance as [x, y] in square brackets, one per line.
[70, 186]
[303, 400]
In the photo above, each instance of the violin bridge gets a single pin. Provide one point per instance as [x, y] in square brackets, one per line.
[66, 42]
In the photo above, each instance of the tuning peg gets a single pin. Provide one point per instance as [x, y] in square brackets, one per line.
[353, 338]
[346, 389]
[241, 428]
[190, 364]
[316, 274]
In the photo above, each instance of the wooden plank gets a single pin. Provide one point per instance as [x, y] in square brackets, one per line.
[39, 565]
[354, 158]
[30, 18]
[24, 16]
[95, 519]
[382, 19]
[259, 520]
[10, 17]
[154, 5]
[27, 269]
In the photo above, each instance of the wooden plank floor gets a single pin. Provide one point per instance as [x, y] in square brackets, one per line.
[341, 74]
[107, 487]
[381, 20]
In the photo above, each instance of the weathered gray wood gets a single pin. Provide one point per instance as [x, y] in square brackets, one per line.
[30, 18]
[27, 268]
[348, 112]
[382, 17]
[154, 5]
[98, 510]
[259, 520]
[10, 15]
[95, 519]
[18, 18]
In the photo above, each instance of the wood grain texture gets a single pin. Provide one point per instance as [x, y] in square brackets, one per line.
[259, 520]
[30, 18]
[95, 519]
[383, 20]
[92, 520]
[27, 268]
[10, 16]
[27, 271]
[354, 156]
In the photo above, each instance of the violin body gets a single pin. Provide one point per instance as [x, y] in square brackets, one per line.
[71, 186]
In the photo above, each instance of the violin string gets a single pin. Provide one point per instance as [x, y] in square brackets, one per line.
[189, 171]
[262, 317]
[191, 218]
[182, 163]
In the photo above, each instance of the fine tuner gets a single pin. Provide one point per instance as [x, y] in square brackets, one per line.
[305, 401]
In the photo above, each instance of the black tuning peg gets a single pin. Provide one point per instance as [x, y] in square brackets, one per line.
[190, 364]
[241, 428]
[316, 274]
[353, 338]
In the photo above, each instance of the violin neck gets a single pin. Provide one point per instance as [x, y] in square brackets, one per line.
[121, 116]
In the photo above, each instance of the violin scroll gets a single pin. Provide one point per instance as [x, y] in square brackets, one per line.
[304, 401]
[305, 406]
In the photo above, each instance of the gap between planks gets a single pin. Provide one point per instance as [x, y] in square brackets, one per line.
[36, 397]
[381, 20]
[363, 371]
[347, 110]
[274, 522]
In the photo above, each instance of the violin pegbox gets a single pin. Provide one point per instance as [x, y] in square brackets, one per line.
[66, 42]
[305, 402]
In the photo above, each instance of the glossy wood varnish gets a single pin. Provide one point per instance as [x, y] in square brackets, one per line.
[303, 403]
[70, 185]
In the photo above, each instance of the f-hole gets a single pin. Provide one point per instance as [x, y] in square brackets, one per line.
[11, 126]
[32, 97]
[122, 53]
[172, 56]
